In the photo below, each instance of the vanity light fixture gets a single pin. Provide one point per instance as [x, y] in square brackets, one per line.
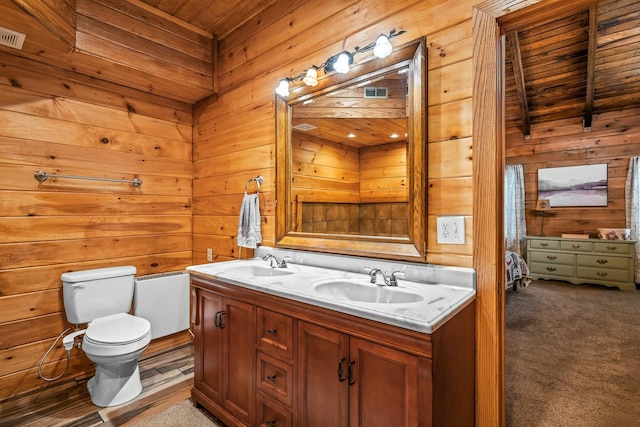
[340, 63]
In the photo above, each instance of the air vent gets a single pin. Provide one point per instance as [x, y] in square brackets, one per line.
[11, 38]
[304, 127]
[376, 92]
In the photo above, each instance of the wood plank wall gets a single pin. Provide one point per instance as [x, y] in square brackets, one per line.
[614, 137]
[65, 123]
[234, 137]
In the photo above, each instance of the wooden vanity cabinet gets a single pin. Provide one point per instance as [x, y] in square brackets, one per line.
[311, 366]
[224, 354]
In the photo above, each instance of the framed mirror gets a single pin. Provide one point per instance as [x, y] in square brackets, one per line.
[351, 159]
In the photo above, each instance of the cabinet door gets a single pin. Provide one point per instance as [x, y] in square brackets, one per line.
[384, 390]
[237, 324]
[208, 344]
[322, 391]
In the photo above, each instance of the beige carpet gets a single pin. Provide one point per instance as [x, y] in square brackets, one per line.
[572, 356]
[181, 414]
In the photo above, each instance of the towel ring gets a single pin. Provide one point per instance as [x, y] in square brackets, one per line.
[258, 179]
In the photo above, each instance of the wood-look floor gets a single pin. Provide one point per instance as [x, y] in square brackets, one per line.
[167, 378]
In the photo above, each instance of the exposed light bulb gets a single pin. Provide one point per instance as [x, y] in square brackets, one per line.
[351, 135]
[383, 48]
[283, 88]
[311, 79]
[342, 63]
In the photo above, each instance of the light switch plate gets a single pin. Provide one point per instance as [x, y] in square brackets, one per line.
[450, 230]
[209, 254]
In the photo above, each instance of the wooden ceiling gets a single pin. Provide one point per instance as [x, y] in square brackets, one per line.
[575, 66]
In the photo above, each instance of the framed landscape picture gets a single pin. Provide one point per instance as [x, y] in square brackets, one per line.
[574, 185]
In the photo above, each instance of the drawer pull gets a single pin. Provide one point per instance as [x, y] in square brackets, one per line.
[612, 248]
[551, 257]
[272, 331]
[271, 378]
[601, 273]
[350, 373]
[544, 245]
[551, 269]
[575, 246]
[602, 261]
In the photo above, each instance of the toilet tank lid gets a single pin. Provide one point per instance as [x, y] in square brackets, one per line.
[98, 273]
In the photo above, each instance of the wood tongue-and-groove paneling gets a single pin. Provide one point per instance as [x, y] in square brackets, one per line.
[67, 123]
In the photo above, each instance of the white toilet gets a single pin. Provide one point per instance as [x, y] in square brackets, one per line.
[114, 339]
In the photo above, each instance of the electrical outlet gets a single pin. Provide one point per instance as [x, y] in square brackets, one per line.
[209, 254]
[450, 230]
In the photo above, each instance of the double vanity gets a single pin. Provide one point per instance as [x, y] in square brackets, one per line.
[306, 339]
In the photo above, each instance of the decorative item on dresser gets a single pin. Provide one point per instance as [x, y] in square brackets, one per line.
[602, 262]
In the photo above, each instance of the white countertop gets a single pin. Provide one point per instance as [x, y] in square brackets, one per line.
[439, 300]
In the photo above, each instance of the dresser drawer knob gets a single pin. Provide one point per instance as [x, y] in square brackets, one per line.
[602, 261]
[612, 248]
[551, 257]
[544, 245]
[551, 269]
[601, 273]
[575, 246]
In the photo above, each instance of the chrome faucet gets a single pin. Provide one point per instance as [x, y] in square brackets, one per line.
[391, 281]
[274, 261]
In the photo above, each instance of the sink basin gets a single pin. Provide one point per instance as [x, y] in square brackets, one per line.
[255, 271]
[354, 290]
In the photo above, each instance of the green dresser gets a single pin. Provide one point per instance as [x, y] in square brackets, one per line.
[603, 262]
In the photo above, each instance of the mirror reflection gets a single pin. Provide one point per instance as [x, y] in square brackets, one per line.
[349, 159]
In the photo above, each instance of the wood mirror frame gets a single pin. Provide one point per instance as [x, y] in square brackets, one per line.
[412, 247]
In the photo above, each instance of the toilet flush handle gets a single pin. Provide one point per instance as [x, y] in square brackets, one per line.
[68, 340]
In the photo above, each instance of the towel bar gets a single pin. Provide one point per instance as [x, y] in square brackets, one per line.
[41, 176]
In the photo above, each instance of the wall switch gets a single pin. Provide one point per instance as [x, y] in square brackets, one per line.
[209, 254]
[450, 230]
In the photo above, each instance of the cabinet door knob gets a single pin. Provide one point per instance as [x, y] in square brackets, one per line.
[350, 373]
[217, 320]
[602, 261]
[271, 423]
[271, 378]
[272, 331]
[551, 257]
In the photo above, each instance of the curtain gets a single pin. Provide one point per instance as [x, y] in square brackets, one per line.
[632, 197]
[515, 226]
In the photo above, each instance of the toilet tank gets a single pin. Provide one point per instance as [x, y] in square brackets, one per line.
[89, 294]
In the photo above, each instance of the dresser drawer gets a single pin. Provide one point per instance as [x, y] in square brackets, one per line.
[275, 378]
[543, 244]
[603, 274]
[543, 268]
[573, 246]
[551, 257]
[271, 414]
[603, 262]
[275, 334]
[612, 247]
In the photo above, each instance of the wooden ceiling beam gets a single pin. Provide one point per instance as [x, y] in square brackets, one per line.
[591, 67]
[518, 74]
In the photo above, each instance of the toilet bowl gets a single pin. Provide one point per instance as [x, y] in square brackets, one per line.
[114, 343]
[115, 339]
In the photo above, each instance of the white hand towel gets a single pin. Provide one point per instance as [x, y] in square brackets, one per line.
[249, 232]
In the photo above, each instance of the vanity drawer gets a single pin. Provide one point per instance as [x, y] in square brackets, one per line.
[271, 414]
[614, 248]
[543, 268]
[603, 262]
[552, 257]
[543, 244]
[603, 274]
[574, 246]
[275, 333]
[275, 378]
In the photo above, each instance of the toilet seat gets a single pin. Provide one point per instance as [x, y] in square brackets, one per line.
[116, 334]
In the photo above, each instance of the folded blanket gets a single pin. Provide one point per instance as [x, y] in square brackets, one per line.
[515, 269]
[249, 232]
